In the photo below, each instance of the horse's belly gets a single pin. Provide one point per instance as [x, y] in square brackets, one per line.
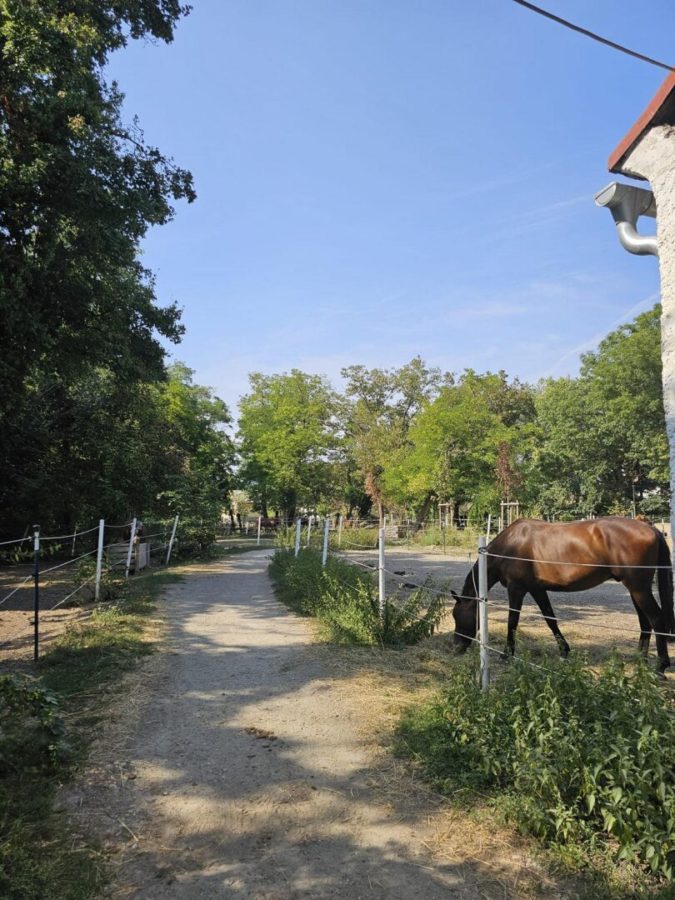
[568, 581]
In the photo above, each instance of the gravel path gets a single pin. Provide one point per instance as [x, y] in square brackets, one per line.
[246, 777]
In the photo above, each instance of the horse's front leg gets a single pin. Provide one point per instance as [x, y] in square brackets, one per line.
[544, 604]
[516, 596]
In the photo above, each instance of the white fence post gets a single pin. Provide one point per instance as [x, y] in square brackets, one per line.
[298, 529]
[483, 613]
[99, 558]
[309, 530]
[381, 592]
[489, 525]
[259, 527]
[131, 547]
[340, 530]
[72, 552]
[171, 540]
[326, 529]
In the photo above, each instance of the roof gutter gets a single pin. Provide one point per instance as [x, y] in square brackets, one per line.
[626, 204]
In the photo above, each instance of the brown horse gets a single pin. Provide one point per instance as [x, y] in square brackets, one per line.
[535, 557]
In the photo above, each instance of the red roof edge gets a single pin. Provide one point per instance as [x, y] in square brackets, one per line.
[630, 140]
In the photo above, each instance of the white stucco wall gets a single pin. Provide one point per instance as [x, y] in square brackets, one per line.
[653, 158]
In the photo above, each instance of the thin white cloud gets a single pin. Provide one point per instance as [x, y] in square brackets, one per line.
[593, 341]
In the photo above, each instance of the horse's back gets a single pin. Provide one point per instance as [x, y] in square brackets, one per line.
[575, 555]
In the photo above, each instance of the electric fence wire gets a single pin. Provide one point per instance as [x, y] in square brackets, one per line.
[593, 36]
[65, 537]
[69, 562]
[18, 588]
[564, 562]
[16, 541]
[72, 593]
[498, 607]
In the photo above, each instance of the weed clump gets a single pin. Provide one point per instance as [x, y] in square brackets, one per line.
[583, 762]
[343, 597]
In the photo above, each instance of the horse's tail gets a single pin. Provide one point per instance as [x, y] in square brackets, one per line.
[665, 583]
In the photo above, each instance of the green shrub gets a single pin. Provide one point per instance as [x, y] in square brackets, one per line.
[32, 732]
[356, 539]
[344, 598]
[573, 758]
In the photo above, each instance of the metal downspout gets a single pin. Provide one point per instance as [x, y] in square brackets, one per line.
[626, 204]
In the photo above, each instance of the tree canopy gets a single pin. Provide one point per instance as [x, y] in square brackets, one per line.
[92, 422]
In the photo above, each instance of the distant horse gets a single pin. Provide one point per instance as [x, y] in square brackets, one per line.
[535, 557]
[267, 524]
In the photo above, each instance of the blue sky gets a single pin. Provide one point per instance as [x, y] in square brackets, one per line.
[379, 180]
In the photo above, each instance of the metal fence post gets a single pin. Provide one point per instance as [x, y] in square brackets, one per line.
[99, 558]
[257, 542]
[309, 531]
[381, 591]
[340, 530]
[36, 578]
[298, 529]
[326, 529]
[483, 612]
[131, 547]
[171, 540]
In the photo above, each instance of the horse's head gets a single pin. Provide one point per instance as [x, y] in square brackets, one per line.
[464, 613]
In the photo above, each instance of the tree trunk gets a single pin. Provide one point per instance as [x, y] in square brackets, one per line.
[423, 511]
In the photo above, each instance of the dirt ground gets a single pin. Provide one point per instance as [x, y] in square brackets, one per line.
[17, 616]
[249, 761]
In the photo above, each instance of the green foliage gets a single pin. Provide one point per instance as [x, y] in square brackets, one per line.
[573, 758]
[79, 323]
[32, 733]
[357, 538]
[40, 856]
[468, 444]
[603, 438]
[343, 597]
[289, 440]
[380, 408]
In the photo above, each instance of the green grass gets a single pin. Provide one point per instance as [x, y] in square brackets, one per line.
[40, 857]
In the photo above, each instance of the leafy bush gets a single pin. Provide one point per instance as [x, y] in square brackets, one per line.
[32, 732]
[356, 538]
[575, 759]
[434, 536]
[344, 598]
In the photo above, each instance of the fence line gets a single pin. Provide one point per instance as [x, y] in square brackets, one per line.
[65, 537]
[481, 595]
[11, 594]
[563, 562]
[101, 551]
[16, 541]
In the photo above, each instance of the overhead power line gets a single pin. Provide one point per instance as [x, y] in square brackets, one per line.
[594, 36]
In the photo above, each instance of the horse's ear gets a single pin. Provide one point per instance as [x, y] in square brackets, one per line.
[454, 594]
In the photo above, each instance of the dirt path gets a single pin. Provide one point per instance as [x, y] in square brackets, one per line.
[245, 775]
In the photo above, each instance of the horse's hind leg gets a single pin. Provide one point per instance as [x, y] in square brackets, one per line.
[544, 604]
[644, 600]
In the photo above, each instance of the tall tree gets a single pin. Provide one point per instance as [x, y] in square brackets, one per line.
[465, 444]
[78, 191]
[289, 440]
[383, 403]
[604, 438]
